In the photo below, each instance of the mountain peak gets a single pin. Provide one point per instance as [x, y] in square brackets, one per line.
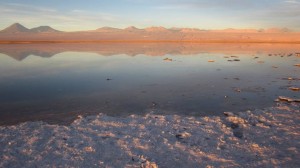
[131, 28]
[16, 25]
[15, 28]
[43, 29]
[154, 29]
[107, 29]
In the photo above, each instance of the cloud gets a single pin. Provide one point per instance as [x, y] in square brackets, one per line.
[206, 4]
[292, 2]
[281, 10]
[254, 13]
[64, 20]
[24, 7]
[215, 14]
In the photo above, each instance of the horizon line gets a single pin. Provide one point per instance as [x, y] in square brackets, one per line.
[145, 41]
[167, 28]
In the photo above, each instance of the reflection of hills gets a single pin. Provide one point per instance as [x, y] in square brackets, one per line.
[21, 51]
[22, 54]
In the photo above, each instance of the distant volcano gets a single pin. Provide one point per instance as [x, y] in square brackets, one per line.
[107, 29]
[43, 29]
[133, 29]
[15, 28]
[18, 28]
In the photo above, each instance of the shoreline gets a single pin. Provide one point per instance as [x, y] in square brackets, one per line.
[260, 138]
[146, 41]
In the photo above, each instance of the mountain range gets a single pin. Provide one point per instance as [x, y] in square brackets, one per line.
[17, 33]
[18, 28]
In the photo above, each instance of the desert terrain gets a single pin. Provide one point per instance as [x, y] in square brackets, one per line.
[17, 33]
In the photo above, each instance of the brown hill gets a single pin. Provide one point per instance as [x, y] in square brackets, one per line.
[43, 29]
[15, 28]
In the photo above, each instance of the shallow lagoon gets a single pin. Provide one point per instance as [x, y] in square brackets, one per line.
[57, 82]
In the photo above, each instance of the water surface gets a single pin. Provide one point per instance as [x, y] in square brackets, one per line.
[57, 82]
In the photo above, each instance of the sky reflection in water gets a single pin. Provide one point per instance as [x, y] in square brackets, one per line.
[59, 88]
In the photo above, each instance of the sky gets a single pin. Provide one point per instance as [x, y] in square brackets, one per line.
[73, 15]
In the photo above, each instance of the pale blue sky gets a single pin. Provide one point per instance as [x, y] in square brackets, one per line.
[70, 15]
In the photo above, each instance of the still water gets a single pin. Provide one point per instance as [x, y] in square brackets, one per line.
[57, 82]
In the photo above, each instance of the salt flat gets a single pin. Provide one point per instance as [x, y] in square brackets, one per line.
[261, 138]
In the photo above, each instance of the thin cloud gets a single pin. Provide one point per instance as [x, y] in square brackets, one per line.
[292, 2]
[262, 13]
[28, 7]
[36, 15]
[206, 4]
[207, 14]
